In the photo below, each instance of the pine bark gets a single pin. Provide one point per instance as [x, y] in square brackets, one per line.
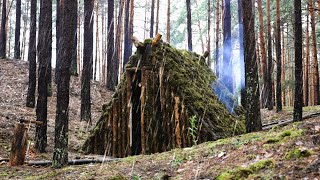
[32, 54]
[189, 29]
[87, 61]
[157, 20]
[58, 40]
[269, 67]
[209, 29]
[278, 58]
[44, 56]
[17, 30]
[127, 40]
[217, 38]
[110, 48]
[263, 54]
[3, 33]
[307, 65]
[253, 117]
[241, 51]
[168, 21]
[315, 68]
[69, 32]
[225, 73]
[298, 95]
[152, 18]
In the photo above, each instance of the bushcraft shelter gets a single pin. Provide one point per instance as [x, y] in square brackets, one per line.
[165, 100]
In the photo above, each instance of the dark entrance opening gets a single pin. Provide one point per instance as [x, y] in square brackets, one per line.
[136, 112]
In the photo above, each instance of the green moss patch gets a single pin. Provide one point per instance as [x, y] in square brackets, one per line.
[297, 153]
[243, 173]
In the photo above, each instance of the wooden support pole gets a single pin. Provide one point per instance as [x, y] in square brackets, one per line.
[129, 112]
[114, 131]
[177, 122]
[19, 145]
[142, 99]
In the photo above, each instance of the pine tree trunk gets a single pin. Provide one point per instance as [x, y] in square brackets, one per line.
[127, 40]
[168, 22]
[253, 117]
[315, 68]
[58, 40]
[32, 54]
[117, 52]
[298, 94]
[110, 50]
[269, 67]
[44, 56]
[3, 32]
[307, 64]
[157, 20]
[17, 30]
[241, 51]
[87, 61]
[263, 55]
[74, 65]
[152, 18]
[69, 32]
[96, 60]
[189, 25]
[217, 38]
[226, 75]
[278, 58]
[209, 29]
[283, 70]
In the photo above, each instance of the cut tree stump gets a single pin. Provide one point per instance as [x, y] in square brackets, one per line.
[19, 145]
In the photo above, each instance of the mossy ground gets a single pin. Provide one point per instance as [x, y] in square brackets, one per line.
[248, 156]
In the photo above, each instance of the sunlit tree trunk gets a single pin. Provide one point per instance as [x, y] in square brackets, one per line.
[3, 33]
[253, 117]
[69, 34]
[315, 68]
[44, 56]
[17, 30]
[189, 29]
[278, 58]
[263, 55]
[32, 55]
[117, 58]
[87, 61]
[269, 67]
[307, 64]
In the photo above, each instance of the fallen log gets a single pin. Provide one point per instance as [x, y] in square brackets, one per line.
[287, 121]
[73, 161]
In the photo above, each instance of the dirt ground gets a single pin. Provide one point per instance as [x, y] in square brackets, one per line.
[290, 152]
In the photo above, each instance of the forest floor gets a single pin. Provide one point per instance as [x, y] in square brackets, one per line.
[289, 152]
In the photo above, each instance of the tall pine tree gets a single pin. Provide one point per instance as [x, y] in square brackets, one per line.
[298, 94]
[32, 55]
[44, 56]
[87, 61]
[253, 116]
[68, 34]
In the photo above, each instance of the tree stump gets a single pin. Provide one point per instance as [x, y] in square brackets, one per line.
[19, 145]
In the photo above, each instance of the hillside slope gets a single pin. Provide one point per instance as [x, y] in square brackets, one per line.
[13, 93]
